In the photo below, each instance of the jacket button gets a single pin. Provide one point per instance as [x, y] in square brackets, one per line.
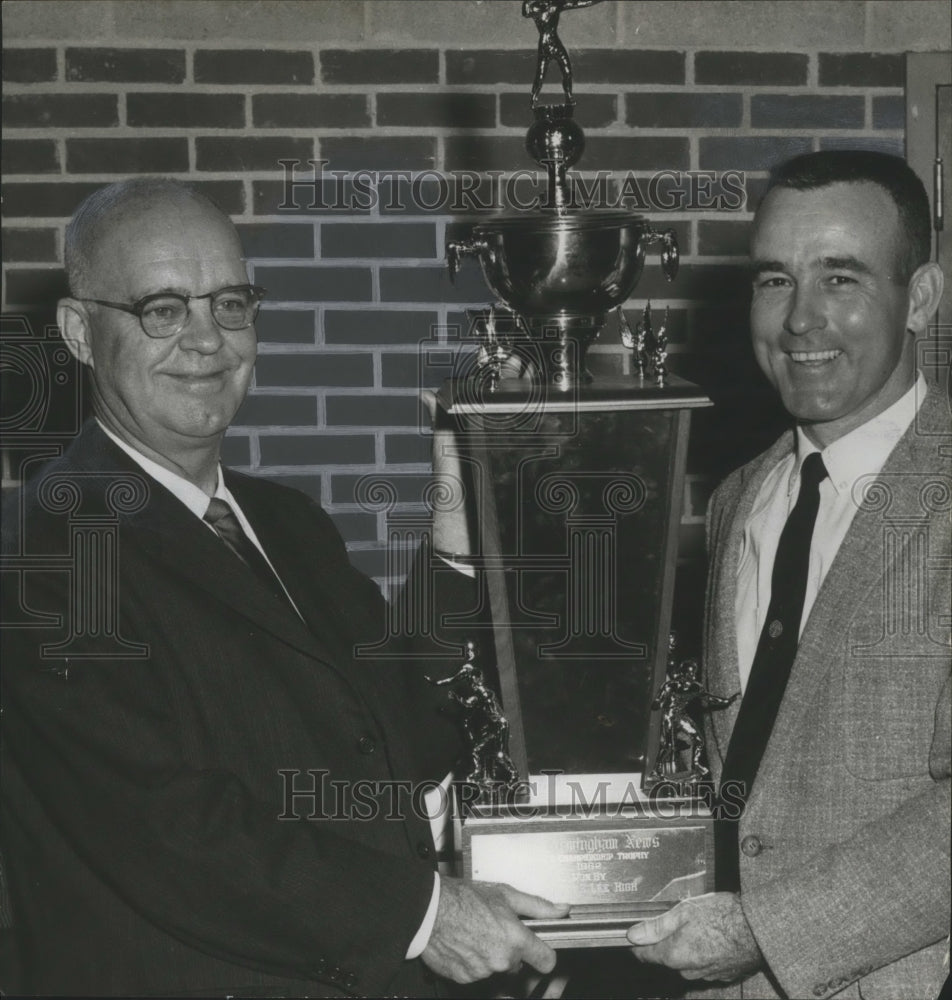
[366, 745]
[751, 846]
[350, 980]
[423, 849]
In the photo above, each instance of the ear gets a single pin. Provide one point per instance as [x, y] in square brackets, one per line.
[925, 290]
[73, 320]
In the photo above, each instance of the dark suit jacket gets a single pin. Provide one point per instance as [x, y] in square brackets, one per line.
[846, 886]
[150, 845]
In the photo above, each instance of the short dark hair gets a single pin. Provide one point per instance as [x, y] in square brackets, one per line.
[854, 166]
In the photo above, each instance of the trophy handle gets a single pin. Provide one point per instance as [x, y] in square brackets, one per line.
[456, 250]
[670, 255]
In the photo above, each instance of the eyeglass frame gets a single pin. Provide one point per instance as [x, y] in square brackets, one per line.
[138, 307]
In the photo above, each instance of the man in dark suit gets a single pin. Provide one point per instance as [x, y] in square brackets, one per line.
[201, 776]
[835, 878]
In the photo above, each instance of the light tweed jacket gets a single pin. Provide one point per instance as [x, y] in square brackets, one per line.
[847, 891]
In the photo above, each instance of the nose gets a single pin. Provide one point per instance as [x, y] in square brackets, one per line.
[804, 312]
[201, 332]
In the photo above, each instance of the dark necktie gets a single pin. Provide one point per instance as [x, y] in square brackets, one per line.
[770, 671]
[222, 518]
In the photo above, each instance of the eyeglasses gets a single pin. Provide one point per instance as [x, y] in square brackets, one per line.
[164, 314]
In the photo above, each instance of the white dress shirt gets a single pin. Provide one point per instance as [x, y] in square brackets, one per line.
[196, 500]
[860, 453]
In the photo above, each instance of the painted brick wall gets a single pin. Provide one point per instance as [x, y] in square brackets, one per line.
[220, 91]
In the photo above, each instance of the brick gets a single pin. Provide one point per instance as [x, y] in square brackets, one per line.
[253, 66]
[315, 284]
[889, 112]
[378, 240]
[432, 284]
[60, 110]
[632, 66]
[700, 110]
[249, 153]
[277, 239]
[638, 153]
[374, 563]
[356, 527]
[371, 410]
[722, 238]
[778, 69]
[317, 449]
[308, 485]
[282, 411]
[391, 153]
[862, 69]
[127, 156]
[35, 286]
[806, 111]
[285, 326]
[404, 449]
[324, 369]
[28, 65]
[880, 145]
[381, 326]
[401, 371]
[592, 111]
[29, 156]
[485, 152]
[57, 199]
[229, 196]
[23, 245]
[409, 487]
[236, 450]
[312, 111]
[326, 195]
[439, 110]
[144, 65]
[749, 152]
[185, 110]
[429, 193]
[380, 66]
[696, 283]
[491, 66]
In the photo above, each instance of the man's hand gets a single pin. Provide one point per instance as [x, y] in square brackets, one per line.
[478, 933]
[706, 937]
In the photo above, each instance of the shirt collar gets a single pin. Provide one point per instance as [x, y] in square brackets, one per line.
[864, 450]
[195, 499]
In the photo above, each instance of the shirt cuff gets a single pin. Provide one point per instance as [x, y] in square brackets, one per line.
[422, 937]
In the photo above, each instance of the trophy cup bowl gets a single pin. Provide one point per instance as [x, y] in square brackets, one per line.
[562, 273]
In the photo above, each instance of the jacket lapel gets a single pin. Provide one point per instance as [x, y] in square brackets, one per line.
[174, 537]
[724, 673]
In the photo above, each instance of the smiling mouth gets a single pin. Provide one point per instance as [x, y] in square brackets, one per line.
[813, 357]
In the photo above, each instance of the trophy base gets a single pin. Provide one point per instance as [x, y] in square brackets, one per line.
[613, 863]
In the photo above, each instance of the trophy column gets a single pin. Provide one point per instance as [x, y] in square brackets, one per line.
[578, 497]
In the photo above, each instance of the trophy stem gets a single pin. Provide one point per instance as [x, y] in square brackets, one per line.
[562, 343]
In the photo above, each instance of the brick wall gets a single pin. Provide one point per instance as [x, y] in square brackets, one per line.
[220, 92]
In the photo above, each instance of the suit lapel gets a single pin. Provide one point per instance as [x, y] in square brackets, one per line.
[174, 537]
[724, 676]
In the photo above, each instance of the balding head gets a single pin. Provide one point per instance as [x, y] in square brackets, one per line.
[104, 210]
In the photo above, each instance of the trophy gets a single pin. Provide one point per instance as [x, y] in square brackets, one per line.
[581, 780]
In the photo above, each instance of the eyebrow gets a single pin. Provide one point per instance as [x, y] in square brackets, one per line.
[848, 263]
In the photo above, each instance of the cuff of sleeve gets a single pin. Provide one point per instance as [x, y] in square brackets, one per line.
[422, 937]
